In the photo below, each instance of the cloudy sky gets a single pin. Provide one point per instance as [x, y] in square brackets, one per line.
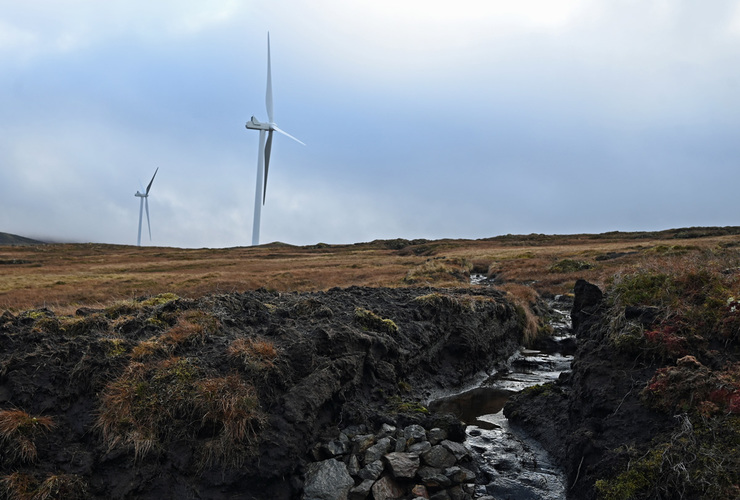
[421, 118]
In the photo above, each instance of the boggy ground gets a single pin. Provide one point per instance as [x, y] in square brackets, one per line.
[651, 408]
[222, 396]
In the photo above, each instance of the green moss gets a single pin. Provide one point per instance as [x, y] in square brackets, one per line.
[158, 300]
[637, 481]
[542, 389]
[570, 266]
[400, 406]
[114, 347]
[371, 321]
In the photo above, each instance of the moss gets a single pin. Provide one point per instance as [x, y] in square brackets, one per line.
[570, 266]
[86, 325]
[114, 347]
[121, 309]
[158, 300]
[637, 481]
[398, 405]
[371, 321]
[542, 389]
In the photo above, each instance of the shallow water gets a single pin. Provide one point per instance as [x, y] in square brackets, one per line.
[518, 466]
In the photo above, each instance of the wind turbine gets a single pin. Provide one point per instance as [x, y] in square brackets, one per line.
[263, 155]
[145, 201]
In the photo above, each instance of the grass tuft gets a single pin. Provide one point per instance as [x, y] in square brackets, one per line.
[371, 321]
[18, 430]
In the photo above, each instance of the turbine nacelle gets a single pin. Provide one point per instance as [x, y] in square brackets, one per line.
[255, 124]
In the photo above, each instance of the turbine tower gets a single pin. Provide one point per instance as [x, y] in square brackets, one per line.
[263, 155]
[145, 201]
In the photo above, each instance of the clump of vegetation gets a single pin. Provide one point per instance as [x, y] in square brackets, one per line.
[85, 325]
[121, 309]
[161, 299]
[159, 402]
[694, 461]
[399, 405]
[20, 486]
[192, 326]
[257, 355]
[371, 321]
[18, 432]
[439, 270]
[570, 266]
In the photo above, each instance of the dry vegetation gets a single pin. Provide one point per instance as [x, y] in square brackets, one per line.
[67, 276]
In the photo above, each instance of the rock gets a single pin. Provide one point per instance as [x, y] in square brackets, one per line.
[373, 470]
[457, 493]
[386, 489]
[402, 465]
[362, 490]
[437, 435]
[336, 448]
[362, 442]
[457, 449]
[440, 495]
[459, 475]
[376, 451]
[327, 480]
[420, 447]
[386, 430]
[414, 433]
[420, 491]
[438, 456]
[587, 298]
[353, 467]
[432, 477]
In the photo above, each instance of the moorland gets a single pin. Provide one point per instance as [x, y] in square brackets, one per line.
[100, 341]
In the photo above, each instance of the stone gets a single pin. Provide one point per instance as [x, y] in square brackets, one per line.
[457, 449]
[414, 433]
[362, 490]
[432, 477]
[420, 491]
[420, 447]
[362, 442]
[353, 467]
[437, 435]
[440, 495]
[373, 470]
[327, 480]
[386, 430]
[402, 465]
[438, 456]
[386, 489]
[376, 451]
[459, 475]
[457, 493]
[336, 448]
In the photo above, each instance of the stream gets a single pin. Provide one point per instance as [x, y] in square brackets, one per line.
[518, 466]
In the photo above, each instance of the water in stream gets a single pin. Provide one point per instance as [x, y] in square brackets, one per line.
[518, 466]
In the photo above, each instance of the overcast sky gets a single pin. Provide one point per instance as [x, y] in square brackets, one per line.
[421, 118]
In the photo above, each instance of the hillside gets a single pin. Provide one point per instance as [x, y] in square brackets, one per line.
[13, 239]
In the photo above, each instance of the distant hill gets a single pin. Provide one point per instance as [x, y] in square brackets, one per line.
[13, 239]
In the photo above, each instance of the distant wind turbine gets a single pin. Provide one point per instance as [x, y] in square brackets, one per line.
[145, 201]
[263, 155]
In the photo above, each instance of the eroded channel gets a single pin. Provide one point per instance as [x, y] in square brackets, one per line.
[517, 465]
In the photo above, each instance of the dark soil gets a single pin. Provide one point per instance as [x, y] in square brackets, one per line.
[595, 410]
[331, 370]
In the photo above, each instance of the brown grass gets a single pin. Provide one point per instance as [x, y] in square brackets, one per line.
[256, 354]
[64, 277]
[18, 430]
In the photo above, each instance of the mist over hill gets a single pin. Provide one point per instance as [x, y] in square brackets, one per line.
[14, 239]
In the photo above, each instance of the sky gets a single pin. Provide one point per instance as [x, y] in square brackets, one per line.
[421, 118]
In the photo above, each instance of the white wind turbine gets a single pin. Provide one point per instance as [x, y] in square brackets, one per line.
[145, 201]
[263, 155]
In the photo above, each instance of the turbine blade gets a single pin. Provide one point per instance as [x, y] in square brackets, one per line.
[268, 95]
[268, 149]
[287, 134]
[150, 182]
[147, 218]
